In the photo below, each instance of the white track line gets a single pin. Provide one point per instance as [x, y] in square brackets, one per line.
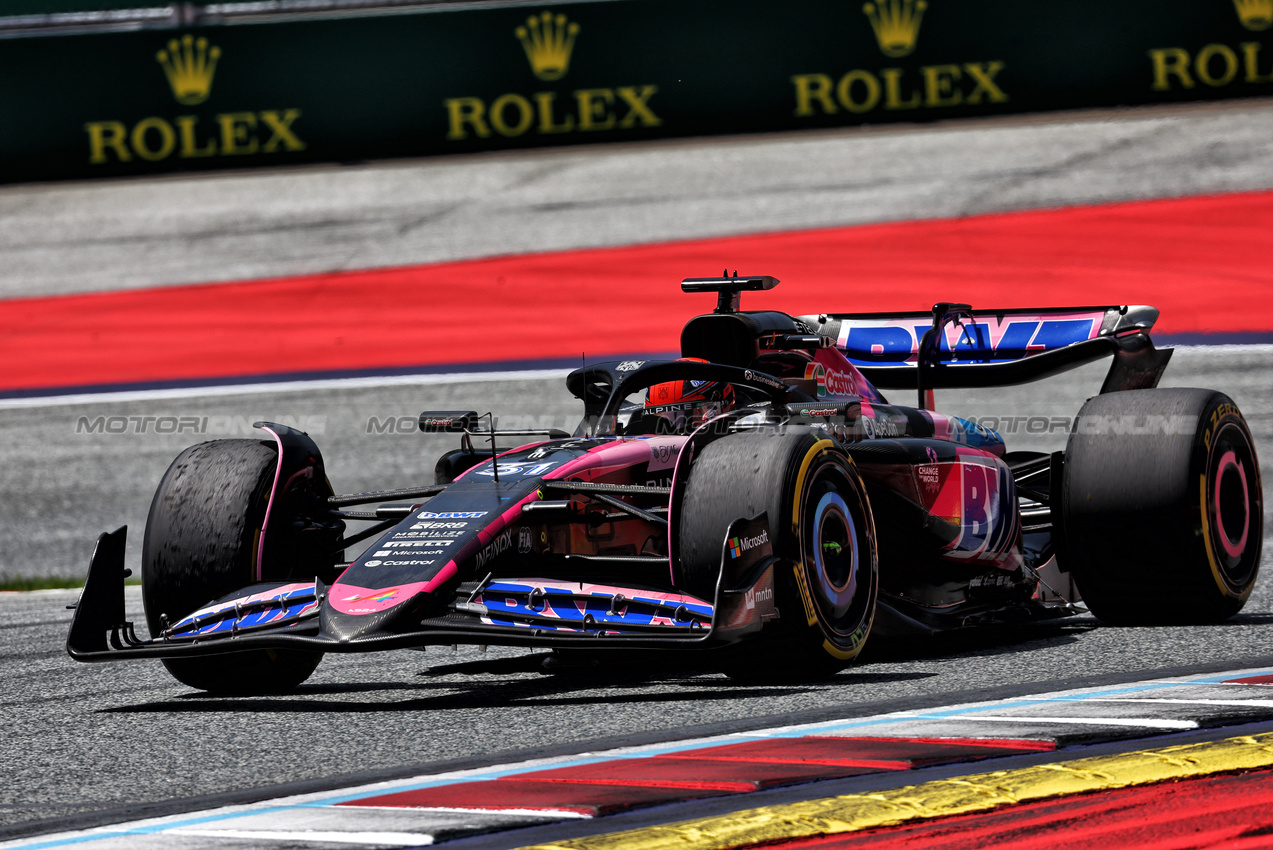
[405, 839]
[287, 386]
[1148, 723]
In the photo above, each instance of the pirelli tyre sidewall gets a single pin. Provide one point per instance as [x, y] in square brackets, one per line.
[1162, 506]
[836, 573]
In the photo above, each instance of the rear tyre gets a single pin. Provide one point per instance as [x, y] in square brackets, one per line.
[201, 543]
[827, 577]
[1162, 520]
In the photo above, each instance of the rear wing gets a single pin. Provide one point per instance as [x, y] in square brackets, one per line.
[957, 346]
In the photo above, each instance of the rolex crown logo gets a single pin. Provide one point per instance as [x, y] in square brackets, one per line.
[1255, 14]
[548, 40]
[189, 64]
[896, 24]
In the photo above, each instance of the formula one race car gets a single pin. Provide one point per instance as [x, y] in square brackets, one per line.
[759, 499]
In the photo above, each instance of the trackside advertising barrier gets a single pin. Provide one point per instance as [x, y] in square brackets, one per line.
[449, 79]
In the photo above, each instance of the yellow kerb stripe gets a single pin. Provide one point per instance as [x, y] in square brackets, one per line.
[940, 798]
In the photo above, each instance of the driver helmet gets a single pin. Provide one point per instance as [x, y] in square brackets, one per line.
[685, 405]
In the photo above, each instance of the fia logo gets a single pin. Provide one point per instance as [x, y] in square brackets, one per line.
[525, 541]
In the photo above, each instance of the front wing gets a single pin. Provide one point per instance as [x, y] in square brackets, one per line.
[533, 612]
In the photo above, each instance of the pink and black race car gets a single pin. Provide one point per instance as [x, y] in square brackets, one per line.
[758, 500]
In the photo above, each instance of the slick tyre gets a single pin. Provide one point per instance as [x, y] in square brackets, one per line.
[201, 543]
[827, 577]
[1162, 507]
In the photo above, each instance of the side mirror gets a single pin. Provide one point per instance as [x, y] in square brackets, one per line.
[448, 421]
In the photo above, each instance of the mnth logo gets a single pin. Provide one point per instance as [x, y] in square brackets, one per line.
[189, 65]
[548, 41]
[1256, 15]
[896, 24]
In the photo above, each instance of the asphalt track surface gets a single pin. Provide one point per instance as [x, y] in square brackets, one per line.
[85, 739]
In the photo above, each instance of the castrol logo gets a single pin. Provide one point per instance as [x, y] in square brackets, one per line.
[829, 381]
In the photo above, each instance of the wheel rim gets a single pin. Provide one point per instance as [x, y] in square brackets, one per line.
[1233, 509]
[835, 555]
[838, 553]
[1232, 505]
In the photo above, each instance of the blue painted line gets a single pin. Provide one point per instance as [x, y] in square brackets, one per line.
[64, 842]
[148, 830]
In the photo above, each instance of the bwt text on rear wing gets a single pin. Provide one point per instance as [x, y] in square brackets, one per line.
[957, 346]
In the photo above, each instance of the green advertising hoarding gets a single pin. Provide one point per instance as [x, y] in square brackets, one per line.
[451, 80]
[13, 8]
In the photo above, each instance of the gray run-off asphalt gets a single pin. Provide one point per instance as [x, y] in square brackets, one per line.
[183, 229]
[87, 737]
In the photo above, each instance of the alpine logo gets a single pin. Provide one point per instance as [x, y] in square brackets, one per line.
[739, 545]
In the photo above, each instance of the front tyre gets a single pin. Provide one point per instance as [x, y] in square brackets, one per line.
[827, 578]
[1163, 507]
[202, 541]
